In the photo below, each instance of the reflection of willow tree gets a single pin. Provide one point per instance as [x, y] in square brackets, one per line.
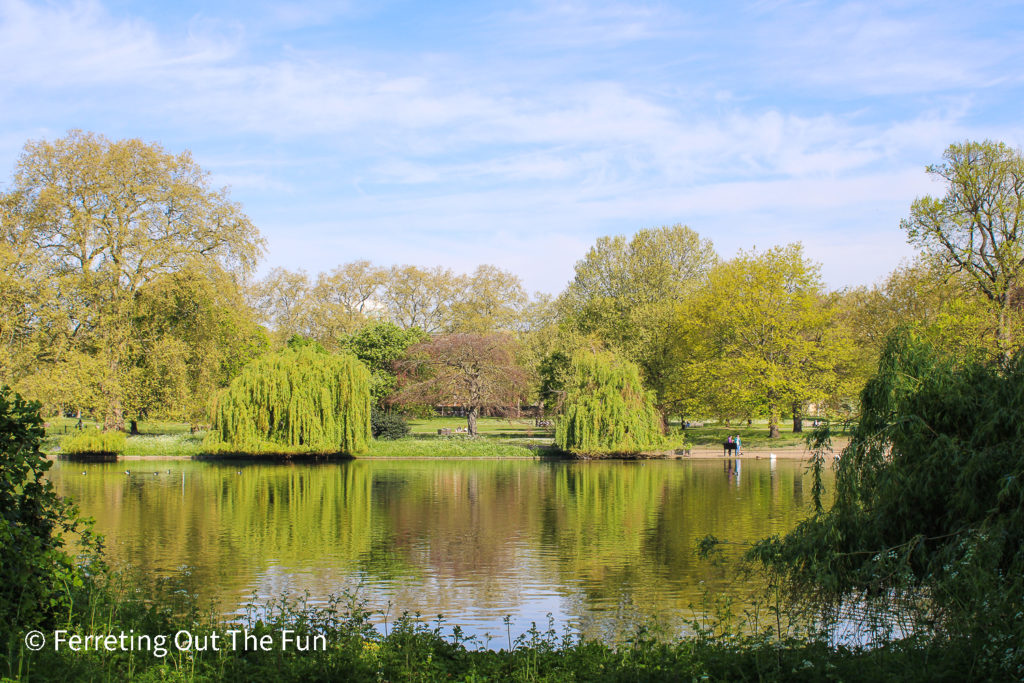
[230, 526]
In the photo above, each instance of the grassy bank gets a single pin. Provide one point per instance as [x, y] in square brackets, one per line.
[498, 438]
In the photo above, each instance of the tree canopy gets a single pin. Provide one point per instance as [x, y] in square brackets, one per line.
[977, 227]
[759, 337]
[929, 499]
[474, 371]
[301, 400]
[104, 218]
[626, 292]
[607, 408]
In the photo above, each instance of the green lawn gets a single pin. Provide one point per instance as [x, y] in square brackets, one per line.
[486, 426]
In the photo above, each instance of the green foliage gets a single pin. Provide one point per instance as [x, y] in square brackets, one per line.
[387, 425]
[607, 409]
[295, 401]
[93, 442]
[929, 505]
[105, 219]
[191, 333]
[354, 648]
[378, 345]
[625, 293]
[553, 370]
[976, 227]
[759, 338]
[36, 573]
[297, 341]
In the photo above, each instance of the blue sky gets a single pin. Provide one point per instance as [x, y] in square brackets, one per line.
[516, 134]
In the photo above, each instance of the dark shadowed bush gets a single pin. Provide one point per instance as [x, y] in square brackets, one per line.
[388, 425]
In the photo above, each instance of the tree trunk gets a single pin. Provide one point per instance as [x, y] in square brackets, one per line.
[471, 420]
[773, 421]
[1003, 333]
[134, 427]
[798, 419]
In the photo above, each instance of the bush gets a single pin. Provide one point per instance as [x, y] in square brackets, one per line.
[388, 425]
[93, 442]
[37, 575]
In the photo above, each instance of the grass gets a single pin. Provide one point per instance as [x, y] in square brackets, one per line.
[486, 426]
[165, 444]
[498, 438]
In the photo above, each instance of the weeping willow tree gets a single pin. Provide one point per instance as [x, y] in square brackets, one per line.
[297, 400]
[607, 409]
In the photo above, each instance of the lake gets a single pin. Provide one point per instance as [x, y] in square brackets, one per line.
[598, 545]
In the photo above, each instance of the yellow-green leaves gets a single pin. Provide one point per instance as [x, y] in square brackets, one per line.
[607, 409]
[295, 401]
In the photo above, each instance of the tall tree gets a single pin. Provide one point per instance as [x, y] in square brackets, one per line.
[282, 299]
[343, 299]
[475, 371]
[626, 293]
[106, 217]
[491, 299]
[977, 227]
[423, 298]
[761, 335]
[192, 333]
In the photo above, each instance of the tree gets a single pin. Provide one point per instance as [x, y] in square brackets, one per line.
[302, 400]
[761, 336]
[343, 299]
[607, 409]
[928, 517]
[379, 345]
[192, 332]
[491, 299]
[978, 226]
[627, 292]
[940, 306]
[282, 299]
[423, 298]
[106, 217]
[475, 371]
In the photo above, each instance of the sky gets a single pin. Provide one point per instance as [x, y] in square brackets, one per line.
[516, 134]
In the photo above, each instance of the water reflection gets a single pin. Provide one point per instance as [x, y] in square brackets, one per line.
[596, 544]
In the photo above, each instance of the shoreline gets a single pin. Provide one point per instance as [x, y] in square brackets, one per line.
[700, 453]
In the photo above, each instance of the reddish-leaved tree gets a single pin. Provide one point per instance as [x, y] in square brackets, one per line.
[475, 371]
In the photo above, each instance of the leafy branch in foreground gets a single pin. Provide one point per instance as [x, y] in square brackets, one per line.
[928, 520]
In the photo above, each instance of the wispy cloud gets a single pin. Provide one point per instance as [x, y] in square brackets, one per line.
[535, 128]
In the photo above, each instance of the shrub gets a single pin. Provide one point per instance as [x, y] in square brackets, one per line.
[36, 573]
[388, 425]
[93, 442]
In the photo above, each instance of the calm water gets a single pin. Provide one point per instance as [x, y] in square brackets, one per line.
[599, 545]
